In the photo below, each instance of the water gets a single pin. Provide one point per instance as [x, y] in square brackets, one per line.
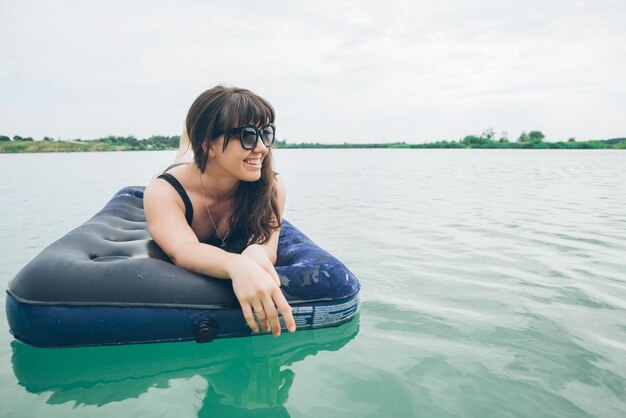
[494, 284]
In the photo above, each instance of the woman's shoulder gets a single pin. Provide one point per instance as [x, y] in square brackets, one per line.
[278, 181]
[160, 189]
[168, 182]
[165, 195]
[174, 169]
[279, 188]
[177, 164]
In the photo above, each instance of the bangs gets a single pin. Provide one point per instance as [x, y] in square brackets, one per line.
[242, 109]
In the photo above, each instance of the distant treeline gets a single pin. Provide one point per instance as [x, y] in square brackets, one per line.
[110, 143]
[487, 140]
[530, 140]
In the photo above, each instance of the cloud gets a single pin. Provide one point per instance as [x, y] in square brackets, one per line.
[335, 71]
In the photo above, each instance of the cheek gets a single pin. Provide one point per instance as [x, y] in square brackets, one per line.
[233, 150]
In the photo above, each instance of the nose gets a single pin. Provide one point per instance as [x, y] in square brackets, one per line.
[260, 147]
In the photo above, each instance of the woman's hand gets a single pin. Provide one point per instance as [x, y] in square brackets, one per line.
[259, 295]
[260, 255]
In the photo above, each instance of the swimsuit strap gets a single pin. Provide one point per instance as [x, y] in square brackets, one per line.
[181, 191]
[172, 166]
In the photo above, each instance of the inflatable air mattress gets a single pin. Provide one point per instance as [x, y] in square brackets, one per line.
[107, 282]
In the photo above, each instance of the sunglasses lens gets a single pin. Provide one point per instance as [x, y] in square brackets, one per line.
[267, 134]
[248, 138]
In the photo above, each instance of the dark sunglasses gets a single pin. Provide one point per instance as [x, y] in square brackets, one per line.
[249, 135]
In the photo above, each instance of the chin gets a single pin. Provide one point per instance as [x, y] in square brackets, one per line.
[250, 175]
[250, 178]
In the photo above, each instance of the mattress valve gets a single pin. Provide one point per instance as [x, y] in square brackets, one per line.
[206, 330]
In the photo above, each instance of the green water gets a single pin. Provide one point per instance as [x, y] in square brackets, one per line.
[228, 376]
[494, 285]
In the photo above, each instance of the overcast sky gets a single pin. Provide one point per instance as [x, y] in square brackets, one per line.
[336, 71]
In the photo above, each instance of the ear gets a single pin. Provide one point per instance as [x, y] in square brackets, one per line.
[209, 148]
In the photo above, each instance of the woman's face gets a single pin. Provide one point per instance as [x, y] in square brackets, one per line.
[242, 164]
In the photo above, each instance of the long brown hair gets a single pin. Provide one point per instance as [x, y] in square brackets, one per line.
[214, 113]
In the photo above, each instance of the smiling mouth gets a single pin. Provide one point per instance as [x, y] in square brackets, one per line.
[255, 162]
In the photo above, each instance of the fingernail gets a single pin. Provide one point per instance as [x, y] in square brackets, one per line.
[292, 328]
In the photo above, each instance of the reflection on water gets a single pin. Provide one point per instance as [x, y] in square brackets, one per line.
[244, 375]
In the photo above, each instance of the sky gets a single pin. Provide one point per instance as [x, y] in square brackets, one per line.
[335, 71]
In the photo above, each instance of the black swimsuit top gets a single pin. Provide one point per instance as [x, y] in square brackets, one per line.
[180, 189]
[183, 195]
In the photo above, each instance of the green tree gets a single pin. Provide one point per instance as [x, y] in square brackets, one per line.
[4, 138]
[536, 136]
[523, 137]
[474, 141]
[488, 133]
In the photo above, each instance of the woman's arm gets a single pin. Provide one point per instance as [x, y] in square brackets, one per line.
[265, 254]
[254, 287]
[163, 208]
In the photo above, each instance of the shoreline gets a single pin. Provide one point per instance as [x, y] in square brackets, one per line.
[163, 143]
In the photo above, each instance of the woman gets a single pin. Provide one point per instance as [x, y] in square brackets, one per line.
[220, 215]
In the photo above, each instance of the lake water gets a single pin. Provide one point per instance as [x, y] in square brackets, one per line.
[494, 285]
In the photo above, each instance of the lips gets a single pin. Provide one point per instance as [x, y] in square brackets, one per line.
[255, 162]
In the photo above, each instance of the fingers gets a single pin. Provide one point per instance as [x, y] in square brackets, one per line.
[261, 316]
[272, 315]
[267, 314]
[285, 310]
[250, 313]
[247, 313]
[258, 290]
